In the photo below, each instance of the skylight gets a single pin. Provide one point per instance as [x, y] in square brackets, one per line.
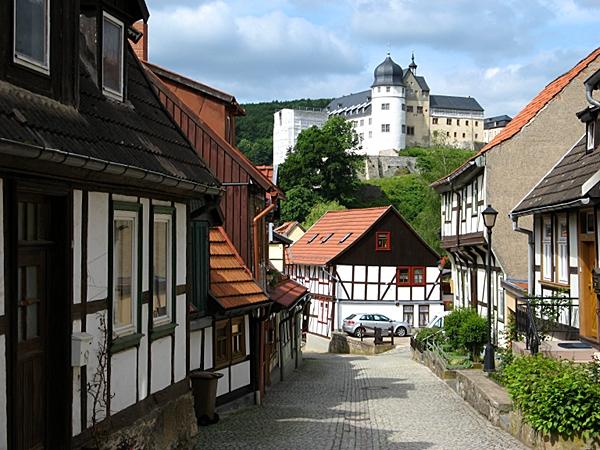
[342, 240]
[313, 238]
[326, 238]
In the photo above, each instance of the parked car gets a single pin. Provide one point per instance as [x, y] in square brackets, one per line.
[363, 324]
[438, 320]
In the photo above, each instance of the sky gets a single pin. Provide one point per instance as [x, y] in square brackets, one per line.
[502, 52]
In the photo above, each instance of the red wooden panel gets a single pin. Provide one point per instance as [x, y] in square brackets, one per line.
[227, 173]
[220, 169]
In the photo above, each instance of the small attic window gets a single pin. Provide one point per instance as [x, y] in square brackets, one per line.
[590, 132]
[112, 56]
[313, 238]
[326, 238]
[32, 34]
[346, 236]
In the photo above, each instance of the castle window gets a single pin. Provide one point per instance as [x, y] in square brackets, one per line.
[409, 108]
[370, 121]
[419, 110]
[112, 56]
[385, 127]
[385, 106]
[476, 135]
[410, 131]
[387, 89]
[476, 123]
[434, 121]
[370, 134]
[403, 107]
[464, 135]
[448, 121]
[362, 122]
[378, 88]
[403, 129]
[455, 134]
[32, 34]
[457, 122]
[466, 122]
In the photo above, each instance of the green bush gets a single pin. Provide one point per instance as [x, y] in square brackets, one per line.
[465, 329]
[555, 396]
[426, 336]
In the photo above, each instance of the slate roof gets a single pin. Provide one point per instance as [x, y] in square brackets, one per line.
[453, 102]
[137, 133]
[496, 121]
[529, 112]
[420, 80]
[350, 224]
[231, 282]
[563, 184]
[350, 100]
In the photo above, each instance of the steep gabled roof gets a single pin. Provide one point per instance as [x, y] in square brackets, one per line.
[529, 112]
[231, 282]
[286, 292]
[134, 136]
[333, 233]
[454, 102]
[287, 227]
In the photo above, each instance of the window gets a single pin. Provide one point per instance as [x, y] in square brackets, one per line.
[476, 123]
[475, 198]
[385, 106]
[423, 315]
[125, 287]
[378, 88]
[162, 266]
[408, 314]
[410, 276]
[346, 236]
[447, 134]
[586, 219]
[362, 122]
[230, 341]
[410, 131]
[500, 299]
[466, 122]
[418, 276]
[562, 251]
[409, 108]
[419, 110]
[403, 129]
[547, 247]
[448, 121]
[403, 107]
[463, 204]
[313, 238]
[464, 135]
[476, 135]
[387, 89]
[112, 56]
[590, 131]
[32, 34]
[326, 238]
[385, 127]
[370, 134]
[370, 121]
[403, 276]
[434, 121]
[383, 241]
[458, 122]
[455, 134]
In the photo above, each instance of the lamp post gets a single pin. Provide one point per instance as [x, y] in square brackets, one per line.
[489, 219]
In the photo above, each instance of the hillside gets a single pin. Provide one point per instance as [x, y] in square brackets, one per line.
[255, 130]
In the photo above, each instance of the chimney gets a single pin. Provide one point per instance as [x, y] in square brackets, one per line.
[141, 47]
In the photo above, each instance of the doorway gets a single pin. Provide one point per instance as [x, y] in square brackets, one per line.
[588, 314]
[39, 308]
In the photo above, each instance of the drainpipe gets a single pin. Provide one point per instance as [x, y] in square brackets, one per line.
[255, 224]
[590, 84]
[530, 253]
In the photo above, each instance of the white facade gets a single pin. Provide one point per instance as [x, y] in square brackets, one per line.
[388, 111]
[287, 125]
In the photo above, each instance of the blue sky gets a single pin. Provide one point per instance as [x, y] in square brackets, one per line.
[500, 52]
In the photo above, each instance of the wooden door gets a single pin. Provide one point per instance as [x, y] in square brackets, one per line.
[588, 314]
[39, 340]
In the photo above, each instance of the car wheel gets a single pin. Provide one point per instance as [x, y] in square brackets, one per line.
[400, 331]
[359, 332]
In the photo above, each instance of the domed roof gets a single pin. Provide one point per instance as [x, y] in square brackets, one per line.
[388, 73]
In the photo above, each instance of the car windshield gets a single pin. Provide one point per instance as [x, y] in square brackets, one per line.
[351, 316]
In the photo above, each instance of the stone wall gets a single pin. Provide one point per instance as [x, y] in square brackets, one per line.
[342, 343]
[389, 165]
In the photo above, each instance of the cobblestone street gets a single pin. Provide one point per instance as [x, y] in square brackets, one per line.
[358, 402]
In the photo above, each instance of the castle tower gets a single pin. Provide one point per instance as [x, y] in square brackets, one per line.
[388, 108]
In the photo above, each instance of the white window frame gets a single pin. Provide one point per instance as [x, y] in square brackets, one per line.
[547, 253]
[161, 320]
[501, 302]
[24, 60]
[562, 250]
[590, 133]
[120, 214]
[106, 90]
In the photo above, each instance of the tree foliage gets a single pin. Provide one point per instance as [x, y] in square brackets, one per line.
[318, 210]
[255, 129]
[298, 203]
[324, 163]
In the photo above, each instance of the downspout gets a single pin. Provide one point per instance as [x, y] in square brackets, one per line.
[255, 234]
[590, 84]
[530, 253]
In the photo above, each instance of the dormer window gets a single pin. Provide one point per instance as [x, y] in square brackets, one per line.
[112, 56]
[591, 131]
[32, 34]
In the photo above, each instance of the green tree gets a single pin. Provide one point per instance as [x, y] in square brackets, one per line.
[317, 211]
[298, 203]
[324, 161]
[259, 151]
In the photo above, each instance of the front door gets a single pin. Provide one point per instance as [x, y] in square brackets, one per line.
[38, 336]
[588, 314]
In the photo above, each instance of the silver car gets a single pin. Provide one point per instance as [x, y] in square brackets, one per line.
[363, 324]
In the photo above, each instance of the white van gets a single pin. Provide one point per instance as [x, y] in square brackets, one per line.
[438, 320]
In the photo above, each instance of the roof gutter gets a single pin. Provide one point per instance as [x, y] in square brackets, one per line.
[542, 209]
[590, 84]
[35, 152]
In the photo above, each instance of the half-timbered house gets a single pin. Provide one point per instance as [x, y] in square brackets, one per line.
[366, 260]
[98, 187]
[564, 206]
[500, 175]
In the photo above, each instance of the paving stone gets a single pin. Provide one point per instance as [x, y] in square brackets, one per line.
[356, 402]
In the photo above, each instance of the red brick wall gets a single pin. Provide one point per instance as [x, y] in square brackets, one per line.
[141, 48]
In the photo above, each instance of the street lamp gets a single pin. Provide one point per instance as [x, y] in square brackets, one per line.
[489, 219]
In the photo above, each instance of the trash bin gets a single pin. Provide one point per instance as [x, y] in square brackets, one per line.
[204, 389]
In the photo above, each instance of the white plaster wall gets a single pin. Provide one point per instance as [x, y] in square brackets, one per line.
[359, 273]
[373, 274]
[77, 199]
[344, 272]
[181, 243]
[240, 375]
[122, 384]
[97, 258]
[372, 292]
[3, 403]
[403, 293]
[223, 383]
[208, 348]
[143, 355]
[161, 367]
[195, 349]
[395, 116]
[93, 328]
[180, 332]
[431, 274]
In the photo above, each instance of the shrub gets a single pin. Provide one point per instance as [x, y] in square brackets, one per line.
[452, 323]
[425, 336]
[555, 396]
[466, 329]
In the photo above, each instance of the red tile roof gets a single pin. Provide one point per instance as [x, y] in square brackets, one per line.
[531, 110]
[287, 227]
[350, 224]
[287, 292]
[231, 282]
[267, 171]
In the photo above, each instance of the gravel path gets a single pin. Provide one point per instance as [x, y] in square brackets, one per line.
[358, 402]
